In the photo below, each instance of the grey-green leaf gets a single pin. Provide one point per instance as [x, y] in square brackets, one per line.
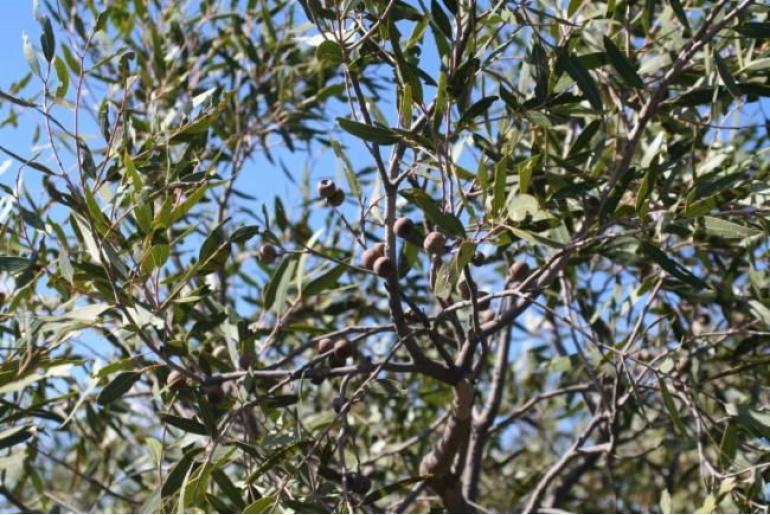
[622, 65]
[379, 135]
[117, 387]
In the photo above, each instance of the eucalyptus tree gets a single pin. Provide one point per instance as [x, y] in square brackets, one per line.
[522, 267]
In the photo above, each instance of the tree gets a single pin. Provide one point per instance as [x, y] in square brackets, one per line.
[538, 279]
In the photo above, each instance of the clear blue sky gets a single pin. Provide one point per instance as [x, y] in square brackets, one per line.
[17, 18]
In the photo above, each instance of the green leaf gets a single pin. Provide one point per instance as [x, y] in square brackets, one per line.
[329, 52]
[665, 502]
[440, 18]
[577, 70]
[228, 488]
[200, 125]
[648, 183]
[117, 387]
[446, 221]
[178, 473]
[244, 234]
[47, 40]
[11, 437]
[756, 422]
[676, 6]
[30, 56]
[754, 29]
[185, 424]
[214, 251]
[573, 6]
[350, 174]
[183, 207]
[622, 65]
[378, 135]
[729, 445]
[156, 257]
[262, 505]
[117, 366]
[727, 78]
[671, 407]
[477, 109]
[728, 230]
[450, 271]
[270, 293]
[526, 170]
[498, 193]
[274, 459]
[325, 281]
[671, 266]
[13, 264]
[378, 494]
[63, 75]
[279, 401]
[101, 223]
[708, 506]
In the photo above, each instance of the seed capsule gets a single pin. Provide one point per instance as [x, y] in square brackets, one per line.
[336, 199]
[518, 271]
[266, 254]
[434, 243]
[326, 188]
[325, 345]
[403, 227]
[383, 266]
[343, 349]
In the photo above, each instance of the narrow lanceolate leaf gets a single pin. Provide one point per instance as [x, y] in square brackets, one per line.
[262, 505]
[729, 445]
[573, 6]
[727, 78]
[676, 6]
[13, 265]
[178, 473]
[244, 234]
[47, 40]
[269, 292]
[378, 135]
[325, 281]
[63, 75]
[15, 435]
[446, 221]
[671, 266]
[728, 230]
[671, 407]
[440, 18]
[199, 125]
[388, 489]
[117, 387]
[648, 182]
[754, 29]
[498, 193]
[185, 424]
[477, 109]
[29, 55]
[580, 74]
[622, 65]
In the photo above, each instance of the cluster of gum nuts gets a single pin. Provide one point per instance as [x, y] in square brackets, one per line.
[339, 351]
[334, 197]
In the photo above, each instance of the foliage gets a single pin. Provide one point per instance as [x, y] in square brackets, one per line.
[173, 340]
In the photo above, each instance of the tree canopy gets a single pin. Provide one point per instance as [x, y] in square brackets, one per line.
[523, 266]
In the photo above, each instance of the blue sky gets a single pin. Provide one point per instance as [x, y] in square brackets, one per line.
[17, 18]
